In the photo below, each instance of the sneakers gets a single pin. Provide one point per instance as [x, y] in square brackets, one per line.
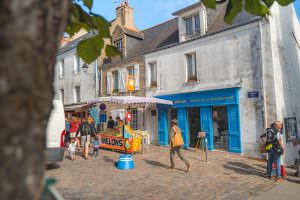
[280, 180]
[188, 167]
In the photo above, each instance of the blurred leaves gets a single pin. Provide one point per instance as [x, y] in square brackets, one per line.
[209, 3]
[111, 51]
[90, 49]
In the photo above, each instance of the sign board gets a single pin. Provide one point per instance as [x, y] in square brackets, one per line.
[253, 94]
[128, 116]
[103, 117]
[110, 142]
[102, 106]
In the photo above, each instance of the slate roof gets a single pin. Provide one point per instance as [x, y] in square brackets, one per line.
[133, 33]
[73, 44]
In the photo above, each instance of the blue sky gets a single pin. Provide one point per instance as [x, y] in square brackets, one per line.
[150, 12]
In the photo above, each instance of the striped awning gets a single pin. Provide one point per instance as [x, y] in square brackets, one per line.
[130, 100]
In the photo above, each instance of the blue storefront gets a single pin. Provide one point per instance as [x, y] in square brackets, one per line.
[205, 101]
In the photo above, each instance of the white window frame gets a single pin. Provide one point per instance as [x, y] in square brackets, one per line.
[76, 67]
[77, 96]
[152, 74]
[119, 45]
[189, 31]
[61, 69]
[191, 74]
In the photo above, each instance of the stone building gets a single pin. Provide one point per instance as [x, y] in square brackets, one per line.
[231, 81]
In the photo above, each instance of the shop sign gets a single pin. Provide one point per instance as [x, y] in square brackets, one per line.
[204, 100]
[102, 106]
[112, 142]
[253, 94]
[103, 117]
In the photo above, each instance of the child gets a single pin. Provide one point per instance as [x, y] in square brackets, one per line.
[96, 145]
[72, 149]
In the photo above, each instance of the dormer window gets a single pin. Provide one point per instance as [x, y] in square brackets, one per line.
[192, 25]
[189, 25]
[118, 44]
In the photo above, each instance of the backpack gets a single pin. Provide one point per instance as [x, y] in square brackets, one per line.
[86, 130]
[272, 144]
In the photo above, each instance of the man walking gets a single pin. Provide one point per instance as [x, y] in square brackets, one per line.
[85, 130]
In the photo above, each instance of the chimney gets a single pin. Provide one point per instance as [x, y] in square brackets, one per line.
[125, 15]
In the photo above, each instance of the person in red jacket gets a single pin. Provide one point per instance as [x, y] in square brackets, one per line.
[74, 125]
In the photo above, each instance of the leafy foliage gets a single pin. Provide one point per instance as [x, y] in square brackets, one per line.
[90, 48]
[254, 7]
[111, 51]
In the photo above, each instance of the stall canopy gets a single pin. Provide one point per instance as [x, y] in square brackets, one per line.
[130, 100]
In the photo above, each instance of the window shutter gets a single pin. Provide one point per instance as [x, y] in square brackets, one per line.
[194, 64]
[136, 77]
[108, 83]
[122, 81]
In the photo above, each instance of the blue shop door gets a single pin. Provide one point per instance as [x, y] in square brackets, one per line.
[183, 125]
[163, 136]
[206, 124]
[234, 137]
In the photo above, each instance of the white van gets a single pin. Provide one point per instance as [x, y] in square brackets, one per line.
[55, 133]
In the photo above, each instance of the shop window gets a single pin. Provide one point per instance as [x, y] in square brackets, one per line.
[77, 67]
[220, 127]
[291, 132]
[118, 44]
[115, 75]
[191, 67]
[134, 120]
[61, 69]
[77, 94]
[153, 74]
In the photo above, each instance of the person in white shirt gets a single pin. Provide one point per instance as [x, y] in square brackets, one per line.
[72, 149]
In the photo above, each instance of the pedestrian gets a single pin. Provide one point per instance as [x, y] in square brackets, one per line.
[176, 143]
[85, 131]
[275, 149]
[73, 127]
[110, 123]
[67, 137]
[96, 145]
[72, 149]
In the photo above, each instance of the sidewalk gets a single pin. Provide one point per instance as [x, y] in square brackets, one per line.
[286, 190]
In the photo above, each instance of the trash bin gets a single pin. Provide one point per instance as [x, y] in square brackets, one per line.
[125, 162]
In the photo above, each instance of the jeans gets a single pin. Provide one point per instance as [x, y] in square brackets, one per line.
[180, 155]
[96, 152]
[274, 157]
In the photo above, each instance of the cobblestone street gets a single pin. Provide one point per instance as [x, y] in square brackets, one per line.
[225, 176]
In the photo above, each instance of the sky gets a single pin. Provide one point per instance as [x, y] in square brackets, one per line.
[148, 13]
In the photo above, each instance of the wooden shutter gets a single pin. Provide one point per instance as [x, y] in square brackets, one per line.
[136, 77]
[108, 83]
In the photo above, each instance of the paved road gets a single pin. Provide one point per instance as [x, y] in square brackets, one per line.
[226, 176]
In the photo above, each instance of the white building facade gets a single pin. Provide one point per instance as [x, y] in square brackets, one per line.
[229, 81]
[72, 85]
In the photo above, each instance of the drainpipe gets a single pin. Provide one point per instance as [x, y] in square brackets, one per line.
[265, 117]
[97, 79]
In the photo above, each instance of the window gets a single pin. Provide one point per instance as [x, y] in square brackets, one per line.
[61, 69]
[61, 95]
[191, 67]
[116, 81]
[77, 67]
[134, 120]
[77, 94]
[197, 23]
[130, 71]
[189, 26]
[118, 44]
[153, 74]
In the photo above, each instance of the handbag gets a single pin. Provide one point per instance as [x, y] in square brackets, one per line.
[177, 141]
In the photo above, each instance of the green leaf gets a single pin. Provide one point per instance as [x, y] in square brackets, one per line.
[112, 51]
[233, 8]
[88, 3]
[284, 2]
[90, 49]
[255, 7]
[209, 3]
[269, 3]
[102, 25]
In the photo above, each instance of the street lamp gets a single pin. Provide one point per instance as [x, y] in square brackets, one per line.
[85, 68]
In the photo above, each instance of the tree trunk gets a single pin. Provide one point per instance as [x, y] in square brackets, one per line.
[30, 31]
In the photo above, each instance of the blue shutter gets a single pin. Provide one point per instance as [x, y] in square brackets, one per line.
[234, 137]
[206, 124]
[183, 125]
[163, 136]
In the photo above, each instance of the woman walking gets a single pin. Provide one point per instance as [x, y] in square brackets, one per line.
[176, 143]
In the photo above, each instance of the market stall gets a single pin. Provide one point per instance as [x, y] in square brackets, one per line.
[122, 137]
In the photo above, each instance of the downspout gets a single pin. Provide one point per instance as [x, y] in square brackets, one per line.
[265, 117]
[97, 79]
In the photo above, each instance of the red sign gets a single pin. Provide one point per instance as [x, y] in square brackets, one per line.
[110, 142]
[128, 116]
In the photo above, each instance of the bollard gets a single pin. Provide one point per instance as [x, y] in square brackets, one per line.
[206, 149]
[125, 162]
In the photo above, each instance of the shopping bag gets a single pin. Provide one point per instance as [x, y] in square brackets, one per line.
[178, 141]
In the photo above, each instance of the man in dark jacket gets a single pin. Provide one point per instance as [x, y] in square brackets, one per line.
[85, 130]
[110, 123]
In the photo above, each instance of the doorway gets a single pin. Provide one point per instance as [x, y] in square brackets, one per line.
[220, 127]
[194, 124]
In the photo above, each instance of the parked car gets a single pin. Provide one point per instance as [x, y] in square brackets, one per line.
[55, 133]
